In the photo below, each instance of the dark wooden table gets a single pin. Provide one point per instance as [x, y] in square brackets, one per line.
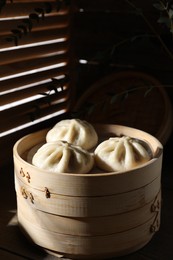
[13, 244]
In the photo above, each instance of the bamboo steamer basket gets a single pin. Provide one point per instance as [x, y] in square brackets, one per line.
[89, 216]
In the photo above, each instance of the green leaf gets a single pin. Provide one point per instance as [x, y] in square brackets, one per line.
[131, 89]
[17, 32]
[159, 6]
[105, 106]
[23, 28]
[114, 99]
[28, 23]
[148, 91]
[164, 20]
[138, 11]
[91, 108]
[40, 11]
[170, 13]
[124, 96]
[12, 38]
[34, 16]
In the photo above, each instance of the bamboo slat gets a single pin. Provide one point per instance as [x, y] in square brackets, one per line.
[74, 206]
[86, 226]
[88, 247]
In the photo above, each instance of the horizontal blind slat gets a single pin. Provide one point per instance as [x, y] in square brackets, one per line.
[32, 66]
[49, 22]
[36, 77]
[33, 110]
[24, 122]
[17, 95]
[29, 53]
[23, 8]
[36, 37]
[28, 107]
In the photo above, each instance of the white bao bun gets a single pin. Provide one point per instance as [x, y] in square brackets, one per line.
[74, 131]
[121, 153]
[62, 157]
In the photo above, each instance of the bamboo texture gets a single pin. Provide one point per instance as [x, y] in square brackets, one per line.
[93, 215]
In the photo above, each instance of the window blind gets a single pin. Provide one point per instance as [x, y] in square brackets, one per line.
[36, 67]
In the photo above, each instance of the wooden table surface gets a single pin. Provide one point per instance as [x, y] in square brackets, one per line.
[13, 244]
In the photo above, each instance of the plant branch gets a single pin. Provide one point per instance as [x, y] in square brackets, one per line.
[166, 49]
